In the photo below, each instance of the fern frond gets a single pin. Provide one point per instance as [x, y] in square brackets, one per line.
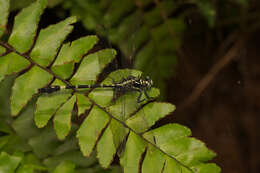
[42, 60]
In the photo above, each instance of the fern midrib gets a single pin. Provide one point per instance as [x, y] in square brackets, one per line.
[26, 56]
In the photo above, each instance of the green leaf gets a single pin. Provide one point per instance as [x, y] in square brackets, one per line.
[18, 4]
[12, 63]
[72, 156]
[54, 3]
[126, 27]
[70, 144]
[109, 142]
[2, 50]
[62, 119]
[209, 167]
[24, 125]
[127, 104]
[91, 129]
[4, 140]
[44, 110]
[25, 86]
[136, 41]
[147, 116]
[16, 143]
[25, 169]
[153, 17]
[30, 164]
[161, 32]
[4, 11]
[83, 103]
[8, 163]
[132, 155]
[25, 26]
[143, 57]
[5, 93]
[153, 161]
[189, 151]
[208, 11]
[65, 167]
[49, 40]
[114, 13]
[173, 139]
[104, 97]
[92, 66]
[4, 127]
[71, 53]
[167, 132]
[172, 166]
[45, 143]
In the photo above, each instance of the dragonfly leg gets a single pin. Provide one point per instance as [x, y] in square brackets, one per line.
[114, 94]
[139, 97]
[146, 94]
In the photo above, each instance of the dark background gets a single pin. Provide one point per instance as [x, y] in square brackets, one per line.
[225, 115]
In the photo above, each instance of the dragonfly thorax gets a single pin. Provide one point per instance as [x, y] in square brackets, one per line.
[148, 82]
[139, 83]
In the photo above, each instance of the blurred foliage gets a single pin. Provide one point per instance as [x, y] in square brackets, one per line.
[18, 4]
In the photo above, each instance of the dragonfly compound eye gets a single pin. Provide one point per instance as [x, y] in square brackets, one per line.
[147, 78]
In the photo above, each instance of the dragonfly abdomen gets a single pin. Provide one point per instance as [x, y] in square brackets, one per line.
[55, 88]
[131, 83]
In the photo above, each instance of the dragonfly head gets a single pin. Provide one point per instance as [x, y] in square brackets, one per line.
[149, 82]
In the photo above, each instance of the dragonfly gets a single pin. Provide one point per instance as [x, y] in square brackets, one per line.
[131, 83]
